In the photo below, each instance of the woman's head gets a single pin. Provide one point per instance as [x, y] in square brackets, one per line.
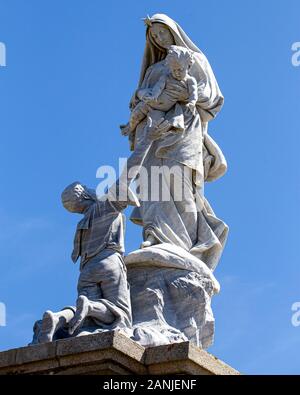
[161, 35]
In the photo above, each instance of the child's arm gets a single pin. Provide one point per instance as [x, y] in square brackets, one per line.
[156, 90]
[159, 87]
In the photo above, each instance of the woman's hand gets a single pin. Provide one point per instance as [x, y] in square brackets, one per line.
[157, 129]
[163, 127]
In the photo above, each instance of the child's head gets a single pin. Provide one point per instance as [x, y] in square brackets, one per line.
[77, 197]
[179, 61]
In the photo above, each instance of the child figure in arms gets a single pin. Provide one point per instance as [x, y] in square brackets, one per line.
[162, 97]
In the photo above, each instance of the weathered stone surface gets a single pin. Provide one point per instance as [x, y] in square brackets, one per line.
[34, 353]
[171, 294]
[8, 358]
[94, 349]
[184, 358]
[107, 354]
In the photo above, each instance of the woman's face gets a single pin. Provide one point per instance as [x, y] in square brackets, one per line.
[161, 35]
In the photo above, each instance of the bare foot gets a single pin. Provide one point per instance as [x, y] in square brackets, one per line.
[150, 241]
[82, 310]
[49, 326]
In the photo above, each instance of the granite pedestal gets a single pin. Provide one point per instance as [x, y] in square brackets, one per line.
[110, 353]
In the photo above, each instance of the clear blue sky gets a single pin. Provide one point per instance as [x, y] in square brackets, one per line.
[72, 66]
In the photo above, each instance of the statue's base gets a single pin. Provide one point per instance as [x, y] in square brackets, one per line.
[107, 354]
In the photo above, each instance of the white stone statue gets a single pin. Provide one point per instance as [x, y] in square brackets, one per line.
[183, 238]
[103, 295]
[197, 229]
[103, 301]
[171, 276]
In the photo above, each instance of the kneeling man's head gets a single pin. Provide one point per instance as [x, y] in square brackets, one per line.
[77, 197]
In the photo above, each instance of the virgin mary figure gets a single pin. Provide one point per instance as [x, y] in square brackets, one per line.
[184, 148]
